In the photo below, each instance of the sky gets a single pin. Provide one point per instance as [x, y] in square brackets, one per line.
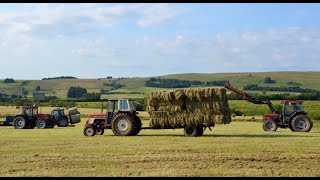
[141, 40]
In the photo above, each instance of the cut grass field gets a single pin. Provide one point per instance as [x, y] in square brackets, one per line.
[235, 149]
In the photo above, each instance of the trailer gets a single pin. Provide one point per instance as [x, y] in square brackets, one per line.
[8, 121]
[122, 118]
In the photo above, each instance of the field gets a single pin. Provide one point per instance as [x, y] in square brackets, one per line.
[60, 87]
[240, 148]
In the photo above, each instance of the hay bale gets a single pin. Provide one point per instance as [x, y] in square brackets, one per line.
[207, 106]
[73, 111]
[75, 118]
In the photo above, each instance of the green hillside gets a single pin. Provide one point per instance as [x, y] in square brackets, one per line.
[59, 88]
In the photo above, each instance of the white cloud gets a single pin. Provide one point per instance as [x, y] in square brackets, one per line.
[96, 48]
[156, 14]
[236, 50]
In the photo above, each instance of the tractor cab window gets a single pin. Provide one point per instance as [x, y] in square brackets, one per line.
[289, 109]
[123, 104]
[112, 105]
[57, 113]
[132, 106]
[299, 107]
[34, 111]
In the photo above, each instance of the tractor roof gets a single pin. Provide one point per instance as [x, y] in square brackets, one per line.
[58, 109]
[117, 99]
[292, 102]
[30, 107]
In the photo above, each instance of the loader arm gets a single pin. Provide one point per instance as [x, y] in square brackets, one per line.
[249, 98]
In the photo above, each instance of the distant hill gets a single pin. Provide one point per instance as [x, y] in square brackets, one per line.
[135, 87]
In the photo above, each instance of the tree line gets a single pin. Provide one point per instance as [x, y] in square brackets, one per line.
[283, 89]
[283, 96]
[176, 83]
[61, 77]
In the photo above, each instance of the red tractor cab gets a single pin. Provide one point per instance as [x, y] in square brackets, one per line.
[27, 118]
[121, 117]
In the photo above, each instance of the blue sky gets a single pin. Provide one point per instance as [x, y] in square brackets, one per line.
[140, 40]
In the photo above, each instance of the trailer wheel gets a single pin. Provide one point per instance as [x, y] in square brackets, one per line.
[62, 122]
[100, 131]
[19, 123]
[269, 125]
[123, 125]
[90, 130]
[191, 131]
[301, 123]
[41, 124]
[200, 130]
[137, 126]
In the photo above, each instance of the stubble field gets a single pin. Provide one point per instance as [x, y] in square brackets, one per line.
[235, 149]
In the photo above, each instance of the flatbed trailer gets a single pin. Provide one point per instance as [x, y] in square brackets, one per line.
[8, 121]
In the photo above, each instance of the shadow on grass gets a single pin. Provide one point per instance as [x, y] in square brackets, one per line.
[226, 135]
[257, 135]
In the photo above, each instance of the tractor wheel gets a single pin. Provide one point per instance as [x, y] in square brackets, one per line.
[200, 130]
[100, 132]
[269, 125]
[291, 128]
[301, 123]
[137, 126]
[123, 125]
[62, 122]
[19, 123]
[41, 124]
[90, 130]
[191, 131]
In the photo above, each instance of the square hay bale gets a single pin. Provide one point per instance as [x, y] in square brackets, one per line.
[205, 106]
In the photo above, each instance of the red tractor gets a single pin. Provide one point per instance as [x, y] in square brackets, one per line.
[292, 115]
[121, 117]
[30, 118]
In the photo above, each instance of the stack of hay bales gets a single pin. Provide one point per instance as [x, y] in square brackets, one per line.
[198, 106]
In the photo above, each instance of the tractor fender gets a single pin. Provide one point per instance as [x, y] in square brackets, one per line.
[63, 116]
[20, 115]
[297, 113]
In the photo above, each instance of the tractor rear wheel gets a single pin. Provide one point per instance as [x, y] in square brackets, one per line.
[123, 125]
[137, 126]
[269, 125]
[62, 122]
[191, 131]
[291, 128]
[90, 130]
[301, 123]
[19, 122]
[41, 124]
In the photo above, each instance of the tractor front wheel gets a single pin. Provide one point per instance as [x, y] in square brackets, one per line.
[269, 125]
[19, 122]
[301, 123]
[100, 131]
[90, 130]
